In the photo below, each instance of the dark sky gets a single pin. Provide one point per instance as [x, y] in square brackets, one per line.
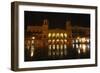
[56, 20]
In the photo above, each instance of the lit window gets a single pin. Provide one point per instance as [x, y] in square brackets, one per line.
[49, 35]
[65, 35]
[32, 51]
[57, 40]
[80, 45]
[61, 35]
[65, 40]
[50, 47]
[65, 46]
[57, 35]
[76, 40]
[31, 54]
[53, 35]
[53, 41]
[80, 40]
[76, 45]
[61, 46]
[32, 41]
[83, 40]
[49, 41]
[62, 40]
[84, 48]
[87, 40]
[53, 46]
[33, 37]
[79, 51]
[57, 46]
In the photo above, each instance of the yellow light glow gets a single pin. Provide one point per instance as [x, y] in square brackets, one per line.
[65, 34]
[57, 46]
[61, 46]
[77, 46]
[65, 46]
[61, 35]
[50, 47]
[79, 51]
[33, 37]
[32, 51]
[83, 40]
[32, 41]
[78, 37]
[57, 40]
[53, 41]
[84, 48]
[49, 41]
[76, 40]
[53, 46]
[62, 40]
[31, 54]
[87, 40]
[65, 40]
[80, 45]
[49, 35]
[57, 35]
[53, 35]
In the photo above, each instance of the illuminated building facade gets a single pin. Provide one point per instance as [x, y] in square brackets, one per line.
[44, 43]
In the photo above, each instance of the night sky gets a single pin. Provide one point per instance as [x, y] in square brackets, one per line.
[56, 20]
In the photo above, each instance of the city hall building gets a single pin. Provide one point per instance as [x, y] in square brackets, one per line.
[42, 43]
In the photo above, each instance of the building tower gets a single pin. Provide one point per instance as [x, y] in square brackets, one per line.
[69, 31]
[45, 31]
